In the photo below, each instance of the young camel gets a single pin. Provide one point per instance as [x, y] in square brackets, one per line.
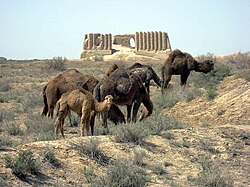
[83, 103]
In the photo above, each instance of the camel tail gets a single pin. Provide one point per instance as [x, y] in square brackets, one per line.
[45, 108]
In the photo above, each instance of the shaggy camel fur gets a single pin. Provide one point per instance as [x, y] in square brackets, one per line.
[146, 73]
[181, 63]
[83, 103]
[127, 90]
[114, 114]
[67, 81]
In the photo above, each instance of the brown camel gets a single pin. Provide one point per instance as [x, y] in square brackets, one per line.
[67, 81]
[83, 103]
[181, 63]
[127, 89]
[146, 73]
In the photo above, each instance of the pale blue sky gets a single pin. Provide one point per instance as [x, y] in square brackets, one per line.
[47, 28]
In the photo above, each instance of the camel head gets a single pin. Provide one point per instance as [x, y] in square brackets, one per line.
[205, 66]
[108, 100]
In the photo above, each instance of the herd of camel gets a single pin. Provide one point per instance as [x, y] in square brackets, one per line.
[87, 96]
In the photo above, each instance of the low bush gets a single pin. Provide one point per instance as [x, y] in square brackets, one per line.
[56, 64]
[137, 158]
[212, 175]
[157, 169]
[23, 164]
[130, 133]
[12, 128]
[40, 128]
[123, 174]
[91, 149]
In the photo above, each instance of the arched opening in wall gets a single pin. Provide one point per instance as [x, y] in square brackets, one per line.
[132, 42]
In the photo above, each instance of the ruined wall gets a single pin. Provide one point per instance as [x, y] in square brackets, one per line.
[97, 44]
[123, 40]
[146, 43]
[152, 41]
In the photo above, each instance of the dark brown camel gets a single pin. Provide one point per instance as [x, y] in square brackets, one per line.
[146, 73]
[126, 89]
[67, 81]
[181, 63]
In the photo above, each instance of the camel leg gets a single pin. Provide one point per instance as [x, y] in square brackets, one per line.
[88, 123]
[166, 79]
[61, 127]
[57, 124]
[147, 84]
[70, 121]
[135, 111]
[51, 111]
[92, 122]
[61, 115]
[129, 107]
[85, 120]
[184, 78]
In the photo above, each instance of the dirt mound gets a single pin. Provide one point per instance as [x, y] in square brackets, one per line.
[230, 107]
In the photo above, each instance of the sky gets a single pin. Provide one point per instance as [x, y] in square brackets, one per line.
[41, 29]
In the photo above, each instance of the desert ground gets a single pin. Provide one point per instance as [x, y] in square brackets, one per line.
[196, 137]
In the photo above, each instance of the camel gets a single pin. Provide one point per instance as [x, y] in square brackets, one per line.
[126, 89]
[181, 63]
[83, 103]
[67, 81]
[146, 73]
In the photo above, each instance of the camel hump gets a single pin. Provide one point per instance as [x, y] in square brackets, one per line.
[123, 85]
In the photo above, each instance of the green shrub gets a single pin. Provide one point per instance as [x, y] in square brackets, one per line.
[130, 133]
[40, 128]
[49, 155]
[31, 101]
[158, 123]
[244, 74]
[5, 86]
[13, 128]
[138, 158]
[241, 60]
[3, 59]
[5, 141]
[56, 64]
[211, 92]
[23, 164]
[91, 149]
[192, 94]
[3, 180]
[89, 174]
[219, 72]
[123, 174]
[98, 58]
[158, 169]
[212, 175]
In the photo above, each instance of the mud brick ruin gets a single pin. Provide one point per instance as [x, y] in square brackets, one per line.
[144, 43]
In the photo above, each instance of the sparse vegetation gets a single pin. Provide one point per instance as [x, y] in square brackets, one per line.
[89, 174]
[123, 174]
[23, 164]
[131, 133]
[13, 128]
[212, 175]
[91, 149]
[148, 152]
[48, 155]
[4, 86]
[137, 158]
[56, 64]
[158, 169]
